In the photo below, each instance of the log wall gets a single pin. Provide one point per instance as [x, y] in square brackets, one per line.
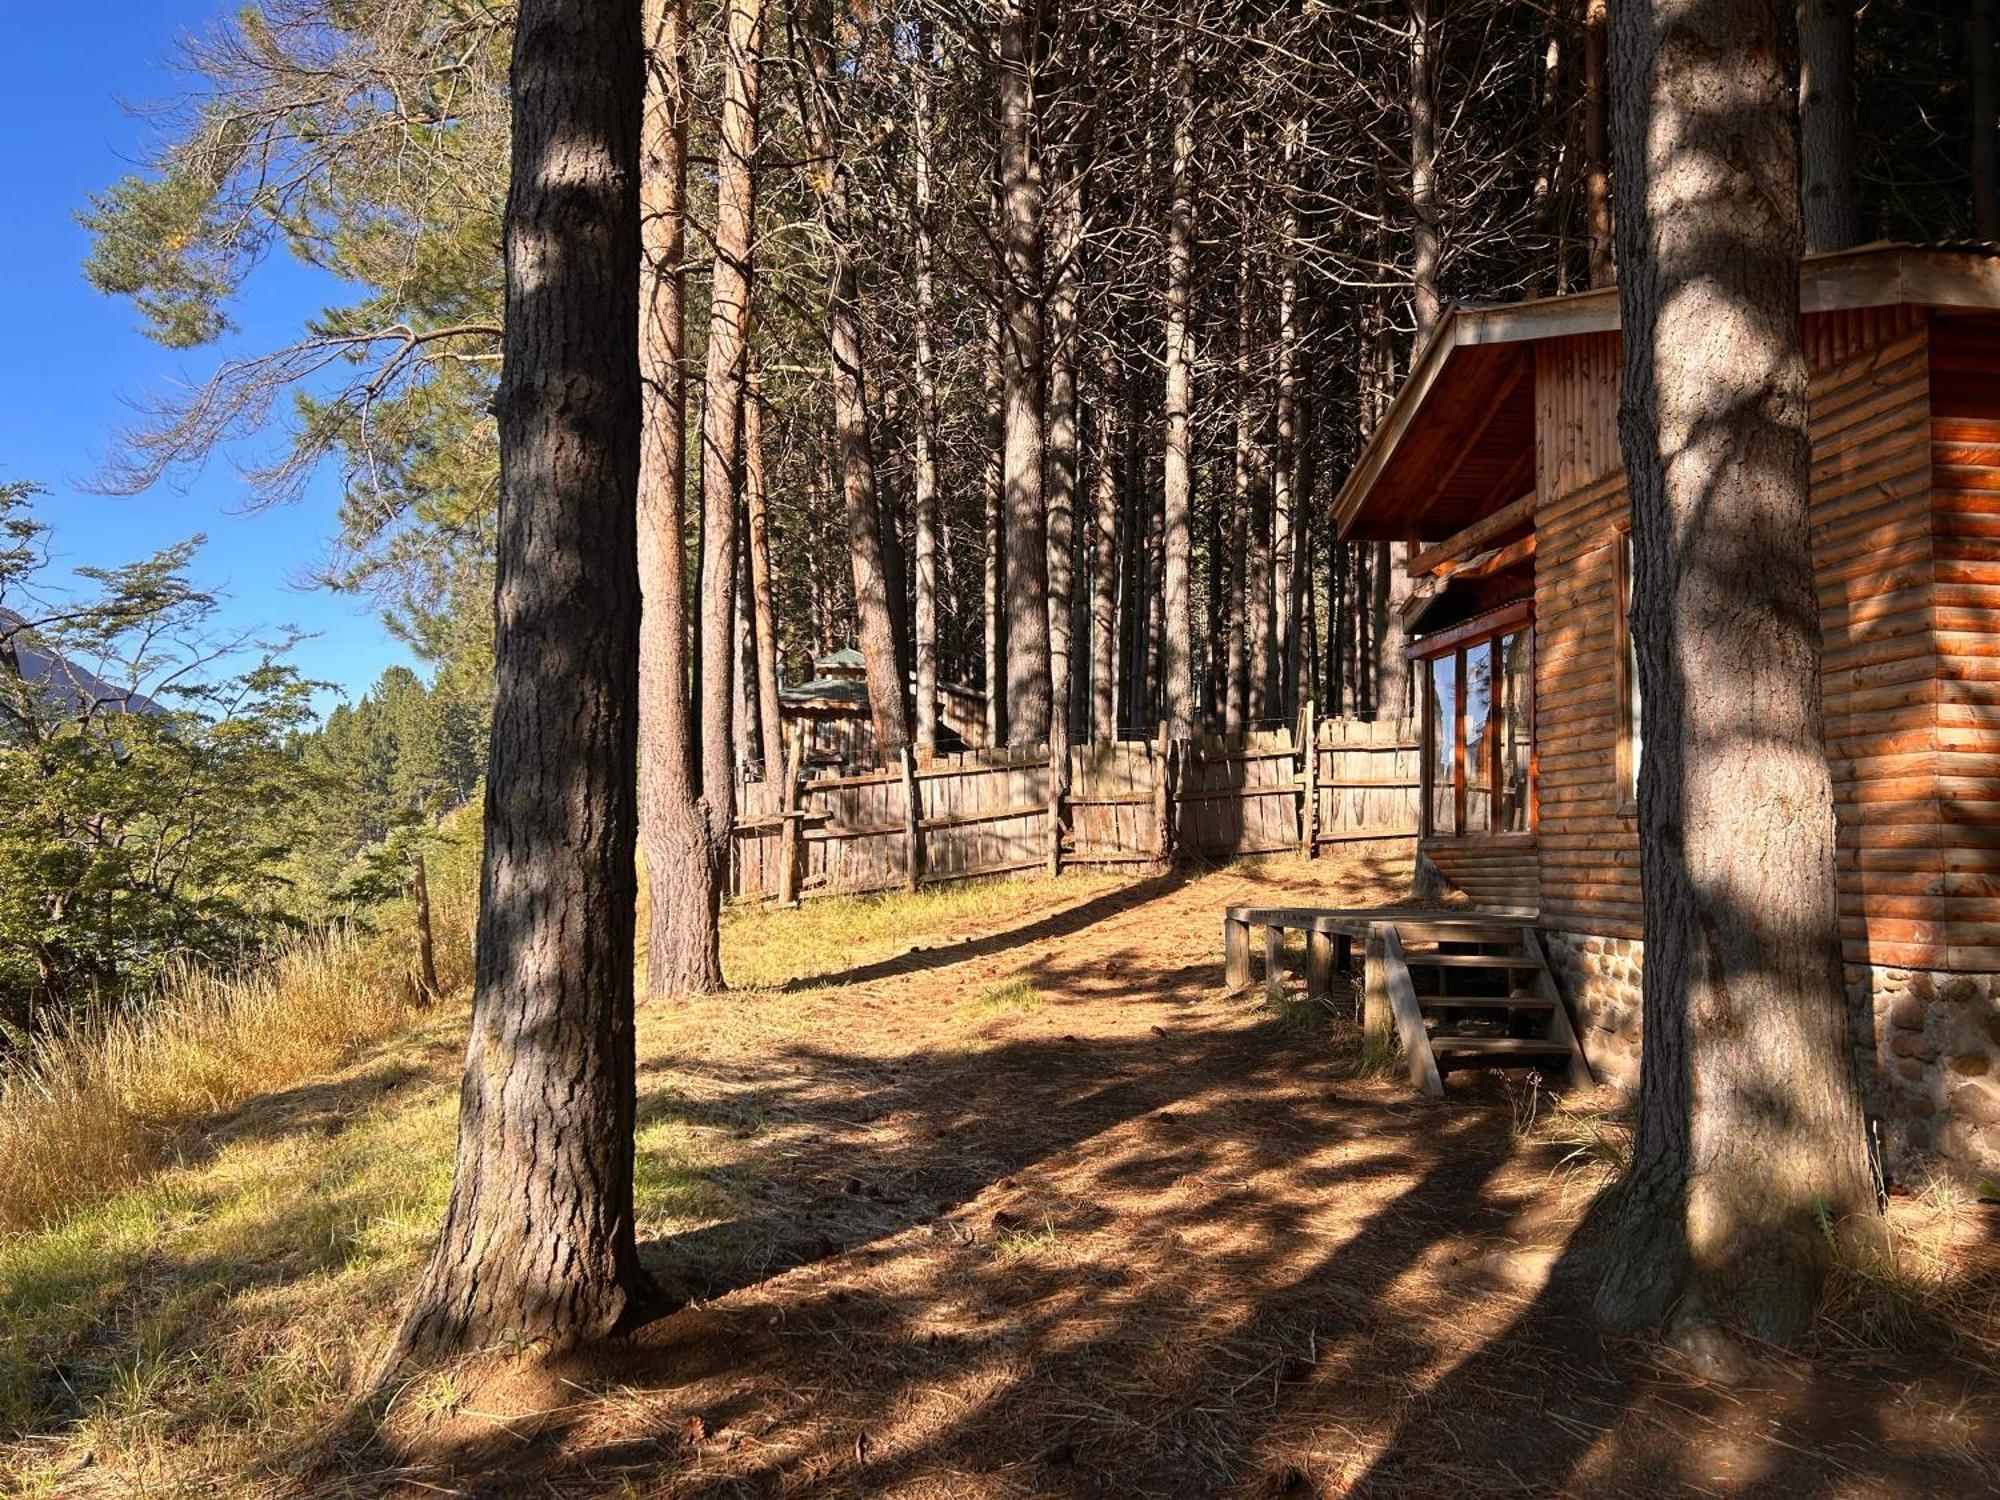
[1872, 553]
[1965, 494]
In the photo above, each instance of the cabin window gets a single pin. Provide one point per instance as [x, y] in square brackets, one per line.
[1441, 735]
[1479, 728]
[1630, 743]
[1512, 713]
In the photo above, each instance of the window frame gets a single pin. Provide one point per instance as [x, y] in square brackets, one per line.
[1483, 632]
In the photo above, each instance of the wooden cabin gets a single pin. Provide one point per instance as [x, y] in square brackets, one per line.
[1499, 465]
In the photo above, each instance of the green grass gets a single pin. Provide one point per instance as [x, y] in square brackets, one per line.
[768, 947]
[1015, 996]
[193, 1312]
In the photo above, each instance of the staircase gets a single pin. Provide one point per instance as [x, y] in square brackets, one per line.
[1471, 993]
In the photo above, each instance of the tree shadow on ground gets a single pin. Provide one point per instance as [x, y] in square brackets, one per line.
[1143, 1239]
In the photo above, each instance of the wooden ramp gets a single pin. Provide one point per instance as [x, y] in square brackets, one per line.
[1468, 994]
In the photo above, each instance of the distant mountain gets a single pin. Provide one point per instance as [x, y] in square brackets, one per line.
[65, 686]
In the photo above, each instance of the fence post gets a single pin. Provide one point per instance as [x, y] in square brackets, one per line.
[1163, 798]
[1309, 808]
[913, 831]
[1058, 778]
[791, 808]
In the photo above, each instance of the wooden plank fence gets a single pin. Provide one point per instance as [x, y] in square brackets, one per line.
[1132, 804]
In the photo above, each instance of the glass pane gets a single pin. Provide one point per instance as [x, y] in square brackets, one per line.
[1478, 737]
[1632, 676]
[1442, 712]
[1511, 729]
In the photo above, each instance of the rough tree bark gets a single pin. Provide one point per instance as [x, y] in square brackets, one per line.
[1287, 563]
[1981, 33]
[1066, 231]
[1106, 475]
[1830, 190]
[1425, 301]
[924, 496]
[1597, 147]
[1177, 536]
[859, 492]
[683, 955]
[725, 381]
[537, 1240]
[764, 616]
[1750, 1126]
[1021, 291]
[994, 583]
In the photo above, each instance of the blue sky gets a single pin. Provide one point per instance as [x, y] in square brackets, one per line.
[69, 357]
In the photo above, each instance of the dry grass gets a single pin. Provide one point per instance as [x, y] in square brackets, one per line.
[95, 1105]
[988, 1192]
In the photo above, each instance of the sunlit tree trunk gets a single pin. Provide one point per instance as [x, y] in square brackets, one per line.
[1750, 1132]
[764, 618]
[860, 495]
[1425, 301]
[726, 380]
[924, 481]
[1106, 479]
[683, 955]
[1021, 372]
[1176, 645]
[1597, 146]
[1064, 271]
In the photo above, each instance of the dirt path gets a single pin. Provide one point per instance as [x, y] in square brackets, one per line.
[1037, 1209]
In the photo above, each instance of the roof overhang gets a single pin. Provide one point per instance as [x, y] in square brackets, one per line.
[1458, 390]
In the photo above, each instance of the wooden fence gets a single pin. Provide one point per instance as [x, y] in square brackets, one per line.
[1132, 803]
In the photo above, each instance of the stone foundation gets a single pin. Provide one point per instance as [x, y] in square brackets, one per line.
[1599, 977]
[1932, 1075]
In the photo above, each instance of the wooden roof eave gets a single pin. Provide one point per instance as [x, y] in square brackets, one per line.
[1877, 275]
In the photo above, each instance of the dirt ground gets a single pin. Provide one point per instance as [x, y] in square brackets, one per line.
[1036, 1208]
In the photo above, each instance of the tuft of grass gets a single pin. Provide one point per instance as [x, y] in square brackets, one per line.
[1027, 1239]
[1900, 1283]
[1014, 996]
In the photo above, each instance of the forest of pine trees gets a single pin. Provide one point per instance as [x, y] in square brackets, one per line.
[1020, 346]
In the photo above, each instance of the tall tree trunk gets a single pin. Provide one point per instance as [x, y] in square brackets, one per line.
[1177, 538]
[1241, 549]
[1750, 1124]
[1286, 552]
[924, 481]
[428, 988]
[537, 1240]
[1106, 476]
[1066, 247]
[995, 594]
[859, 493]
[726, 379]
[1980, 38]
[683, 955]
[1831, 192]
[1028, 705]
[764, 617]
[1597, 146]
[1424, 248]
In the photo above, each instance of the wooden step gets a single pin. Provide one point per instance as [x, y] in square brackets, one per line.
[1512, 961]
[1494, 1051]
[1483, 1002]
[1460, 932]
